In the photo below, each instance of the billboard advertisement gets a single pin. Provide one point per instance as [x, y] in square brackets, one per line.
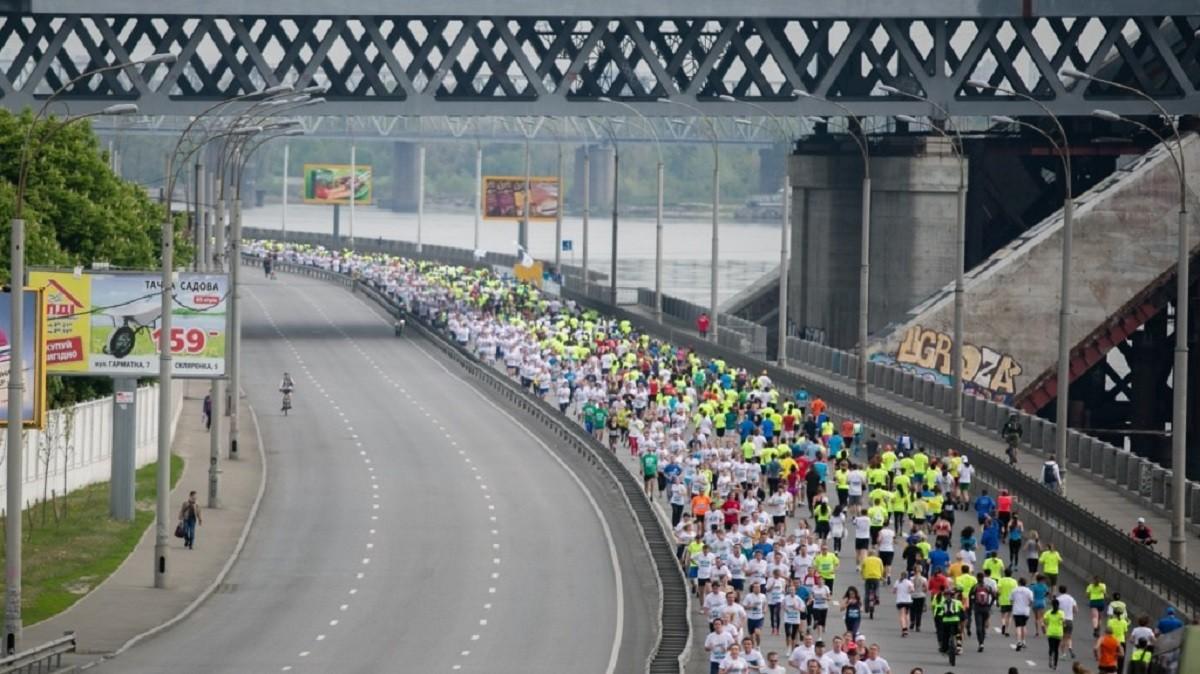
[504, 198]
[332, 183]
[108, 324]
[33, 350]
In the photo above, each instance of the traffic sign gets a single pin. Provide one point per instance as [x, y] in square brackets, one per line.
[568, 245]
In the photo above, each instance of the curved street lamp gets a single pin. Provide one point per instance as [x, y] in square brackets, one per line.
[713, 309]
[1063, 394]
[1179, 382]
[960, 249]
[864, 274]
[658, 213]
[162, 474]
[16, 388]
[785, 234]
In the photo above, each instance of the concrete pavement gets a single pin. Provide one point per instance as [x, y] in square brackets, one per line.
[126, 605]
[410, 526]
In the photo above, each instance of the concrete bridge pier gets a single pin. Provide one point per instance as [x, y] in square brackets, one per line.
[913, 212]
[402, 197]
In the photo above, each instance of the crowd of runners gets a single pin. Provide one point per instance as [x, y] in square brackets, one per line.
[772, 498]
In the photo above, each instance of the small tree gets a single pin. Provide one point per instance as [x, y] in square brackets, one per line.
[68, 448]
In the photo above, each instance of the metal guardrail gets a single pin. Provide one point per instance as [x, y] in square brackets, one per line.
[734, 332]
[46, 658]
[1116, 466]
[675, 627]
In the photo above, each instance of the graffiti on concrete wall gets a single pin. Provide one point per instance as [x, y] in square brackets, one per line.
[928, 353]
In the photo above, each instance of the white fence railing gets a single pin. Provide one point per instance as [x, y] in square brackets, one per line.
[75, 449]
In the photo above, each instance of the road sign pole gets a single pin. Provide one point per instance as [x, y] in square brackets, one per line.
[123, 464]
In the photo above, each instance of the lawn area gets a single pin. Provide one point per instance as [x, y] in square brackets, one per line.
[64, 561]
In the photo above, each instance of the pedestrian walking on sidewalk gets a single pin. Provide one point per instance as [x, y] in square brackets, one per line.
[702, 325]
[207, 410]
[189, 517]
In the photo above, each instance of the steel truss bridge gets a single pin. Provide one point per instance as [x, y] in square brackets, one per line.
[540, 59]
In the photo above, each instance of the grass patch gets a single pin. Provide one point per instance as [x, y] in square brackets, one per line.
[62, 561]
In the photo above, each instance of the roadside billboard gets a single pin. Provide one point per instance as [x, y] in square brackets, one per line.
[504, 198]
[33, 351]
[331, 184]
[107, 324]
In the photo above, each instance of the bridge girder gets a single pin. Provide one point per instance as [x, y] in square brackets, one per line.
[563, 66]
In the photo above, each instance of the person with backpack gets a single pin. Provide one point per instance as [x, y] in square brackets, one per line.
[1052, 476]
[189, 518]
[982, 598]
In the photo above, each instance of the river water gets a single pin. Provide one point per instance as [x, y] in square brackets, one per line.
[747, 250]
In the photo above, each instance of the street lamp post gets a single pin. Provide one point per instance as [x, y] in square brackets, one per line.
[864, 274]
[16, 388]
[713, 313]
[1179, 380]
[163, 472]
[1063, 395]
[523, 227]
[658, 213]
[217, 387]
[587, 210]
[960, 252]
[785, 233]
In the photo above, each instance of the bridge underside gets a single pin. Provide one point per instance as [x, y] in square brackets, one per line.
[564, 65]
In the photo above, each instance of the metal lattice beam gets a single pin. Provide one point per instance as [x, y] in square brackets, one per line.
[561, 66]
[758, 131]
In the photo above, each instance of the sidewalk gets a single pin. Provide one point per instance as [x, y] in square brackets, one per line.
[1107, 501]
[126, 605]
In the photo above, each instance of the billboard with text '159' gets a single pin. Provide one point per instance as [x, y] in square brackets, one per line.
[108, 324]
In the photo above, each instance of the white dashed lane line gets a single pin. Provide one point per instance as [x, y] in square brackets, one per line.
[448, 436]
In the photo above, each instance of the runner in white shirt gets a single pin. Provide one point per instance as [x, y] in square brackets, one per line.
[876, 664]
[717, 643]
[772, 666]
[755, 603]
[1022, 606]
[887, 550]
[903, 590]
[714, 604]
[776, 587]
[793, 615]
[834, 658]
[1067, 604]
[733, 663]
[862, 538]
[802, 653]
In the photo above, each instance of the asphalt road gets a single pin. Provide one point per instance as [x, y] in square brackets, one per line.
[410, 524]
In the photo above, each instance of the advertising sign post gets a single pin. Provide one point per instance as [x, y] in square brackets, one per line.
[504, 198]
[108, 324]
[32, 374]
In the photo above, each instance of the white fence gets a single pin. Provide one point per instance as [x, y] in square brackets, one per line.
[75, 449]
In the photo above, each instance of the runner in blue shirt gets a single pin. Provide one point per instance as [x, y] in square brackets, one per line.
[984, 506]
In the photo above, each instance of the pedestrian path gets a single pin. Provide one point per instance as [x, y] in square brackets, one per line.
[1106, 500]
[127, 604]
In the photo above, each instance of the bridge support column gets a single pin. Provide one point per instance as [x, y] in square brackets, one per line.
[914, 201]
[600, 176]
[403, 197]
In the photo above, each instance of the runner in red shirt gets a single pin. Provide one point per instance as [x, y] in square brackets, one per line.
[1004, 509]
